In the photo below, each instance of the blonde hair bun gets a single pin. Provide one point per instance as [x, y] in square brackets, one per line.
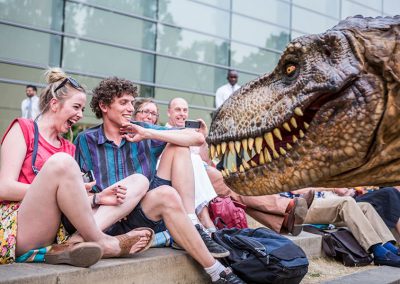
[54, 74]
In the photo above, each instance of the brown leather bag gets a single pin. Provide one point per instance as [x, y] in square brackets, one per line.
[341, 245]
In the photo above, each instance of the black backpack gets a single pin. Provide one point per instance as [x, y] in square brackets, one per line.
[263, 256]
[342, 246]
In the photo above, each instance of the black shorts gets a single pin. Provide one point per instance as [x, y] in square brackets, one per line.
[137, 218]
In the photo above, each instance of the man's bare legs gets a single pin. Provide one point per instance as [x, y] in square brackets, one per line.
[205, 218]
[176, 166]
[164, 203]
[53, 191]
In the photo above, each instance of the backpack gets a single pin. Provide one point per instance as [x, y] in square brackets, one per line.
[263, 256]
[227, 213]
[342, 246]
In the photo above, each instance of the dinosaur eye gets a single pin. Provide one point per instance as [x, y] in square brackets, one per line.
[291, 70]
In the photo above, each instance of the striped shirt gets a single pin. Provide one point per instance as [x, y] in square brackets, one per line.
[110, 162]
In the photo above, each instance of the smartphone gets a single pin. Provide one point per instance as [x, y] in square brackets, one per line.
[88, 177]
[192, 124]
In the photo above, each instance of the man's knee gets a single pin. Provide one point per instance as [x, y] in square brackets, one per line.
[166, 197]
[348, 201]
[137, 184]
[177, 150]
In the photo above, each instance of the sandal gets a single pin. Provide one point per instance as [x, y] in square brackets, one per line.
[126, 242]
[83, 254]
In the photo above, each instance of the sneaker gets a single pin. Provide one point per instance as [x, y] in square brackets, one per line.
[215, 249]
[389, 259]
[227, 276]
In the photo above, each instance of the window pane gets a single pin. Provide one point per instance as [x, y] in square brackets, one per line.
[309, 22]
[189, 76]
[373, 4]
[351, 9]
[224, 4]
[38, 13]
[111, 27]
[391, 7]
[272, 11]
[327, 7]
[191, 45]
[245, 78]
[195, 16]
[108, 61]
[42, 48]
[253, 59]
[145, 8]
[267, 35]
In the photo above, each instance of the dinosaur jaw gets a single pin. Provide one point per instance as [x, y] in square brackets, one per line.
[300, 151]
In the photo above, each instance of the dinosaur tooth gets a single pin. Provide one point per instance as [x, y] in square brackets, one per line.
[267, 155]
[241, 169]
[250, 143]
[233, 168]
[223, 173]
[306, 125]
[288, 146]
[219, 149]
[261, 159]
[253, 164]
[244, 143]
[231, 145]
[277, 133]
[259, 141]
[237, 147]
[223, 147]
[301, 133]
[298, 111]
[275, 154]
[245, 164]
[282, 151]
[270, 140]
[293, 122]
[294, 139]
[212, 151]
[286, 126]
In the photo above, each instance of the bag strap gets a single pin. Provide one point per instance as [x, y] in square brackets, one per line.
[35, 148]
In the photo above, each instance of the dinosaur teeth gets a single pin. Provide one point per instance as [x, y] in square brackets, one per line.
[219, 149]
[306, 125]
[253, 164]
[245, 164]
[293, 122]
[298, 111]
[267, 155]
[223, 147]
[259, 142]
[212, 151]
[241, 169]
[288, 146]
[301, 133]
[261, 159]
[250, 143]
[294, 139]
[231, 145]
[282, 151]
[270, 140]
[244, 143]
[277, 133]
[286, 126]
[237, 146]
[275, 154]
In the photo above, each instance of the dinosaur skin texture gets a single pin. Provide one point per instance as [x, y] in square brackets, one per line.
[326, 116]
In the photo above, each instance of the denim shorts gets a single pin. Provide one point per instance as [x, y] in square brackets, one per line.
[137, 218]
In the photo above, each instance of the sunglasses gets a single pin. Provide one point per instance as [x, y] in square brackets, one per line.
[72, 82]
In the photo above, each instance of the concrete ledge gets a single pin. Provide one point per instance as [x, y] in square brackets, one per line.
[381, 275]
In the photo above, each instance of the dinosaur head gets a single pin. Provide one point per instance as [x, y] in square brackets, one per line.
[327, 115]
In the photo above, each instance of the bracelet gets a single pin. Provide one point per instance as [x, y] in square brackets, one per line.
[94, 204]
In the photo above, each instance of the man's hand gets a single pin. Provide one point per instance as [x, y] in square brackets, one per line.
[203, 127]
[133, 132]
[112, 195]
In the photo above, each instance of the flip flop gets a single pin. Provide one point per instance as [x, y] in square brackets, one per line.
[126, 242]
[83, 254]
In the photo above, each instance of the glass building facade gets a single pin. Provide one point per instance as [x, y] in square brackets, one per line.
[169, 48]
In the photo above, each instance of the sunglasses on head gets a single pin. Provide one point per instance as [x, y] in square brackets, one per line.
[72, 82]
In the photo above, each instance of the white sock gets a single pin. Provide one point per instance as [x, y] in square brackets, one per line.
[215, 270]
[194, 219]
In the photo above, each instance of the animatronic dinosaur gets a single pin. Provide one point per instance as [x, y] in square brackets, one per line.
[328, 115]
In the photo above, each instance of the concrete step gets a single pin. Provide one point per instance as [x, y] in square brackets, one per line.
[380, 274]
[157, 265]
